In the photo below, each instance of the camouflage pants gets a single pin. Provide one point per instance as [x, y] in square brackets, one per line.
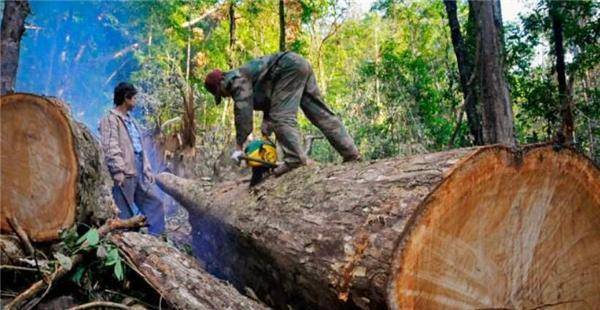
[294, 85]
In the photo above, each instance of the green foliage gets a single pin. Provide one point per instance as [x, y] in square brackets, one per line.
[390, 74]
[91, 237]
[531, 74]
[107, 255]
[113, 259]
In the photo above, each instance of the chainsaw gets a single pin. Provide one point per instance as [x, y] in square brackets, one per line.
[261, 156]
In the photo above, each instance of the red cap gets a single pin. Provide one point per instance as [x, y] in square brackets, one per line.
[212, 83]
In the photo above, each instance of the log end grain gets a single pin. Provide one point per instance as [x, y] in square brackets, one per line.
[52, 169]
[504, 232]
[39, 166]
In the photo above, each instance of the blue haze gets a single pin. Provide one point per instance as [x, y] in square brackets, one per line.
[70, 50]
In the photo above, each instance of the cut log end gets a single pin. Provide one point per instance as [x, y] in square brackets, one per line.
[39, 166]
[503, 234]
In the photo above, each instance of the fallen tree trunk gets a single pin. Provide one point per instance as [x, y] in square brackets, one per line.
[52, 171]
[468, 228]
[178, 277]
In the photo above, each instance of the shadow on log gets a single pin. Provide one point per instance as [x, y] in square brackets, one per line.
[52, 171]
[468, 228]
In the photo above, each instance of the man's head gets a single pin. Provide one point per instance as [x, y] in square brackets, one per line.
[212, 83]
[125, 95]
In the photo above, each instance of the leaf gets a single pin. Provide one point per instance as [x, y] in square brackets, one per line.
[91, 236]
[76, 277]
[112, 257]
[63, 260]
[119, 270]
[82, 239]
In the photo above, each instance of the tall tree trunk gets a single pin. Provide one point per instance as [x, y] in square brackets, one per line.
[232, 37]
[465, 69]
[492, 90]
[281, 25]
[564, 98]
[13, 26]
[189, 110]
[189, 117]
[499, 23]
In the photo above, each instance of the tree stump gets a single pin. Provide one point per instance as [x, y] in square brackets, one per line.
[484, 227]
[52, 169]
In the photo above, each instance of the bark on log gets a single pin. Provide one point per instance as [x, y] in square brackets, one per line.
[52, 169]
[481, 227]
[178, 277]
[10, 249]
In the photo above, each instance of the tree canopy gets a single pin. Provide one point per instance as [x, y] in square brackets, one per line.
[390, 73]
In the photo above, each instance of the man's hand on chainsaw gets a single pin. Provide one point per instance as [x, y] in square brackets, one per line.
[237, 156]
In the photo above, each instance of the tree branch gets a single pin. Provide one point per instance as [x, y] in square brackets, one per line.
[98, 304]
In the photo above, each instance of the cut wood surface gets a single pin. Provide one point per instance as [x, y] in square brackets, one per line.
[52, 171]
[178, 277]
[481, 227]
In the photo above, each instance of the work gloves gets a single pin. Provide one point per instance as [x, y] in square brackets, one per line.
[237, 156]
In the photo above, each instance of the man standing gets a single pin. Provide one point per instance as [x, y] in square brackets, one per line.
[127, 162]
[277, 85]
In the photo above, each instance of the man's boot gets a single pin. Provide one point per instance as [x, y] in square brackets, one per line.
[352, 158]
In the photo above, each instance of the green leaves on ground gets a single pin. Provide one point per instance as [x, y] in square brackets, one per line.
[107, 254]
[91, 236]
[114, 259]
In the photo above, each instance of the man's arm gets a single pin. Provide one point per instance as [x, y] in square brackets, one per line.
[241, 92]
[112, 151]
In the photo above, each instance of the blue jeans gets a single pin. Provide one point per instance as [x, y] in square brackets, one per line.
[135, 194]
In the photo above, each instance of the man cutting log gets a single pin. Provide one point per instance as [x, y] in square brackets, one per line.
[127, 162]
[278, 84]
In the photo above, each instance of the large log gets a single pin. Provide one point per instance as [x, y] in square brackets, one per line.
[469, 228]
[178, 277]
[52, 170]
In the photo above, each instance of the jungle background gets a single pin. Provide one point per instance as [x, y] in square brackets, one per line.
[405, 77]
[387, 68]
